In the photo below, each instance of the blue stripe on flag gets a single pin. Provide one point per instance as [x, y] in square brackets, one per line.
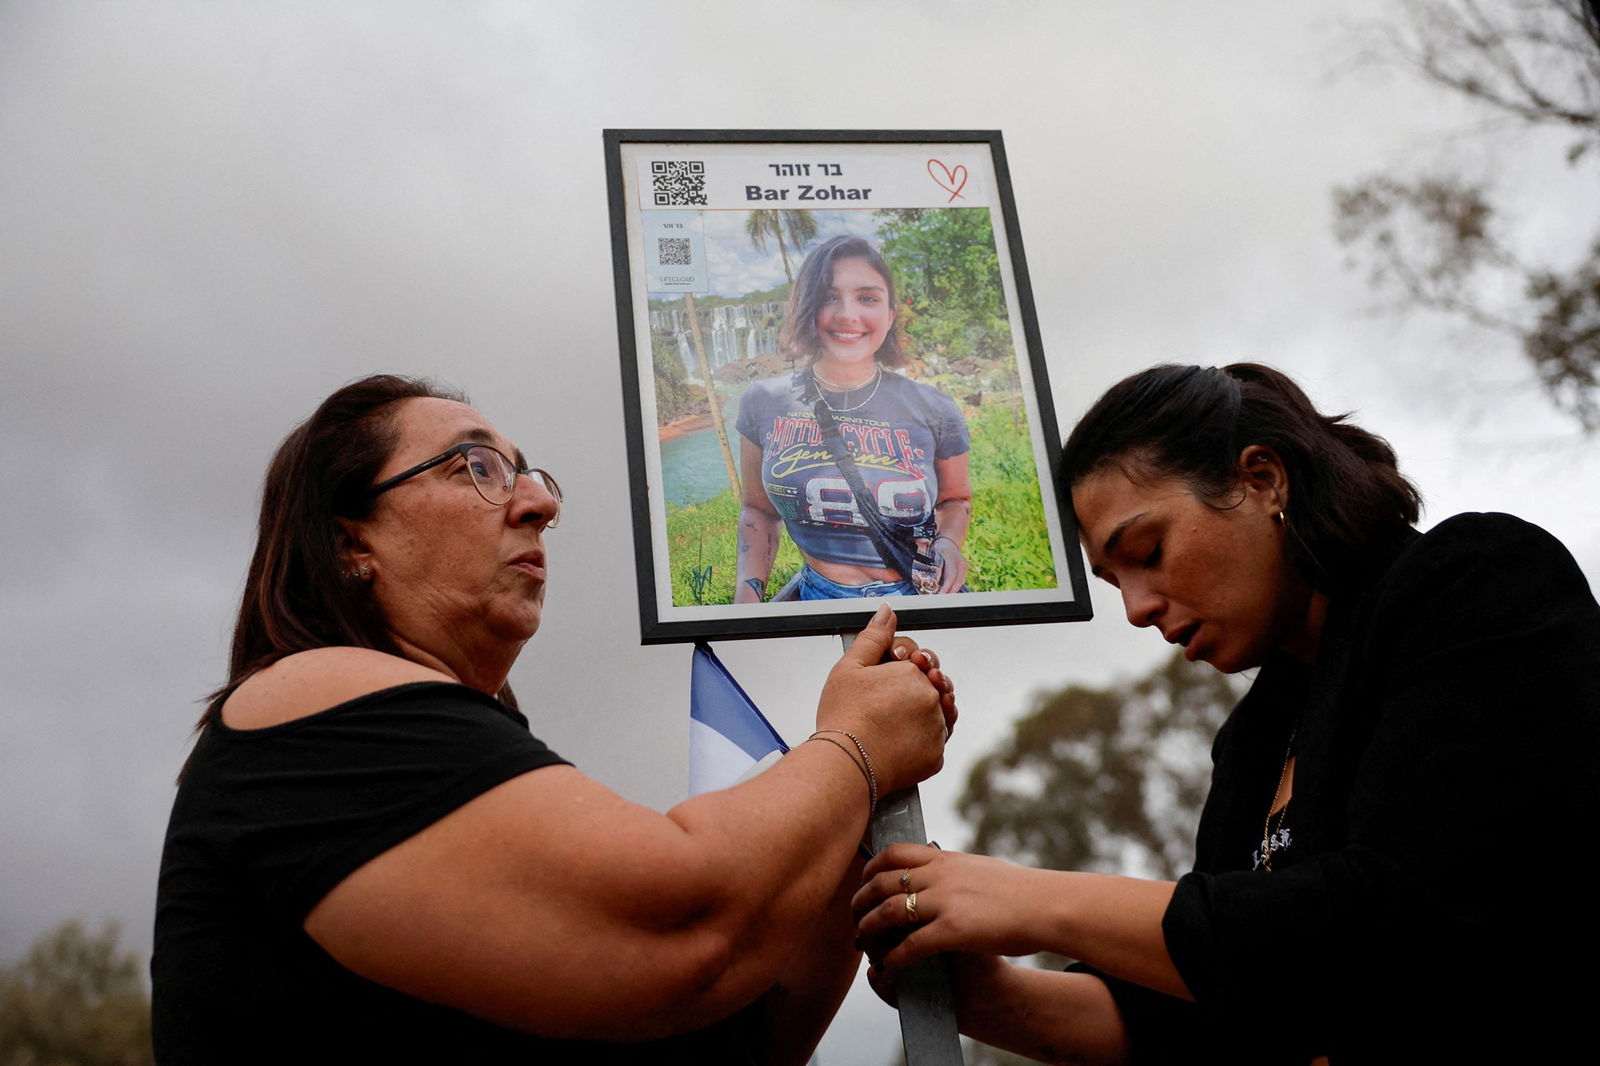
[717, 701]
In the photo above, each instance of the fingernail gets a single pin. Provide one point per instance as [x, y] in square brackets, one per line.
[882, 615]
[900, 651]
[934, 844]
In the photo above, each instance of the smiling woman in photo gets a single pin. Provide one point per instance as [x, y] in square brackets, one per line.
[865, 468]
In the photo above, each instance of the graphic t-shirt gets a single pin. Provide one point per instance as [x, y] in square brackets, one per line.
[896, 436]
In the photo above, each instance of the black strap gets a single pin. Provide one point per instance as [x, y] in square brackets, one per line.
[893, 543]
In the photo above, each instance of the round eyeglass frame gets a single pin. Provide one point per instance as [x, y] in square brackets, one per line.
[488, 486]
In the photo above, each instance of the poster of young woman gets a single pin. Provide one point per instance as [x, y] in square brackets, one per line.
[834, 385]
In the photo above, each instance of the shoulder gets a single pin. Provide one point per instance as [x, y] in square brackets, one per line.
[929, 398]
[764, 398]
[905, 386]
[312, 681]
[1495, 552]
[1487, 581]
[1481, 532]
[779, 389]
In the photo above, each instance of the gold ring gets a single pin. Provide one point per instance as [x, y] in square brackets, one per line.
[905, 880]
[911, 907]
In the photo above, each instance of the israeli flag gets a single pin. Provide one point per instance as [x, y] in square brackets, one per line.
[729, 740]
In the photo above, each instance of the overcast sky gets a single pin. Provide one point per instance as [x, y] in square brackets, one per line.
[212, 214]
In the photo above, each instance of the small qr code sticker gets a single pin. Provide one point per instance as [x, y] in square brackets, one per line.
[674, 251]
[678, 182]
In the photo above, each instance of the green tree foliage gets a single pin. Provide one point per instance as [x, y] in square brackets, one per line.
[1443, 242]
[945, 265]
[76, 999]
[1105, 779]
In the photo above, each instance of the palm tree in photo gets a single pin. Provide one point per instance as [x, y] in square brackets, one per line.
[797, 226]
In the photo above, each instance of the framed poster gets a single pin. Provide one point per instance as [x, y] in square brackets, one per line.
[834, 386]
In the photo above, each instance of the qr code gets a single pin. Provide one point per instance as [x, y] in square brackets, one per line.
[674, 251]
[678, 182]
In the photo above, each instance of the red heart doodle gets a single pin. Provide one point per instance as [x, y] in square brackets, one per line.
[952, 182]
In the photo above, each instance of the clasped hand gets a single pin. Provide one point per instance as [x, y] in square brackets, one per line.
[903, 709]
[966, 903]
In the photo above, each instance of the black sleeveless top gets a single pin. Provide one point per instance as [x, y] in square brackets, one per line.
[267, 821]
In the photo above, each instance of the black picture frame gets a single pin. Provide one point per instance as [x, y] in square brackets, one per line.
[696, 182]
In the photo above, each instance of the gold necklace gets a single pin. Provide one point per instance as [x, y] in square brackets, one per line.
[877, 379]
[1281, 813]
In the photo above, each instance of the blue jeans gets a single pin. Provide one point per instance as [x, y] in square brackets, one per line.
[813, 586]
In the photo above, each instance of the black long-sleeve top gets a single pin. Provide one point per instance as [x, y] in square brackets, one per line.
[1433, 896]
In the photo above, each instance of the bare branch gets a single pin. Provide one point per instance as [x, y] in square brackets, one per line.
[1514, 61]
[1437, 241]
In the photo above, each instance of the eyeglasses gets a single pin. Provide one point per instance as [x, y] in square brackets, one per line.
[493, 475]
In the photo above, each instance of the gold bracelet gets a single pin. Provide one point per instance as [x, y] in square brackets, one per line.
[859, 768]
[866, 764]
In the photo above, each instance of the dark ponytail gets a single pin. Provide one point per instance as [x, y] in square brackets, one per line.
[1347, 497]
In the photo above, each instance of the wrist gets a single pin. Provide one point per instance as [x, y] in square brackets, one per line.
[868, 772]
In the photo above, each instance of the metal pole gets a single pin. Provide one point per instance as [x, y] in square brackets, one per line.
[927, 1009]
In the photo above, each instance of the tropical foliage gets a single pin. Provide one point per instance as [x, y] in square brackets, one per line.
[789, 229]
[947, 270]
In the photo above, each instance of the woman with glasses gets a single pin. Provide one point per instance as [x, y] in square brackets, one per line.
[1393, 863]
[371, 858]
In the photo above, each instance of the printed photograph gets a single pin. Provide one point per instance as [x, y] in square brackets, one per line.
[839, 408]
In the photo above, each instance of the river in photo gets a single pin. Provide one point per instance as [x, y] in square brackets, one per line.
[692, 469]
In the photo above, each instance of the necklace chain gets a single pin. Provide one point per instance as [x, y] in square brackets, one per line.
[877, 379]
[1282, 812]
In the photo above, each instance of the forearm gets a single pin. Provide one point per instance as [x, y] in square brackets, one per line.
[952, 517]
[1111, 923]
[986, 906]
[1043, 1014]
[773, 852]
[815, 980]
[758, 547]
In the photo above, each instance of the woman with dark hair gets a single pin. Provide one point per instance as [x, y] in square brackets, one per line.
[866, 469]
[371, 858]
[1385, 867]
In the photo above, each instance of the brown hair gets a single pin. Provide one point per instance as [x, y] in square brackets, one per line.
[799, 337]
[1347, 495]
[296, 593]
